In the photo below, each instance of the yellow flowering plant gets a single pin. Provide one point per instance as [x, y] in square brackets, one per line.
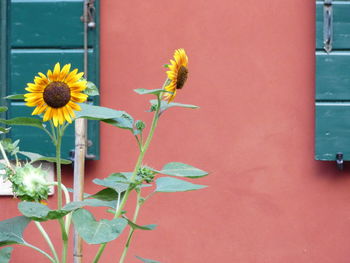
[58, 99]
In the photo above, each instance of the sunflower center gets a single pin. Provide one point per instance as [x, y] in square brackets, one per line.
[56, 94]
[181, 77]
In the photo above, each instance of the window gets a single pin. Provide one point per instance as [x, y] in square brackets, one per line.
[40, 33]
[332, 133]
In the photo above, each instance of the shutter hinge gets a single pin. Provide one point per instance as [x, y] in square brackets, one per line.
[340, 161]
[90, 16]
[327, 26]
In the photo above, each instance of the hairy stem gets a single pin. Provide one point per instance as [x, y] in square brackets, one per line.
[59, 193]
[138, 164]
[131, 232]
[48, 240]
[40, 251]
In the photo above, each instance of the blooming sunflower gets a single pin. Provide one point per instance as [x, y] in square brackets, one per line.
[56, 94]
[177, 74]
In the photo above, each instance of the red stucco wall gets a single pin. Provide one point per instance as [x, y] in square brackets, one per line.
[252, 72]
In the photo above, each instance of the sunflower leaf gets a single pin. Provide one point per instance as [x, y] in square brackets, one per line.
[40, 212]
[135, 226]
[4, 130]
[34, 157]
[171, 185]
[11, 230]
[182, 170]
[97, 232]
[5, 254]
[91, 89]
[116, 118]
[147, 260]
[3, 109]
[15, 97]
[165, 105]
[151, 91]
[24, 121]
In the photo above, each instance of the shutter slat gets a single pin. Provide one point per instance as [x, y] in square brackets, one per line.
[25, 64]
[47, 24]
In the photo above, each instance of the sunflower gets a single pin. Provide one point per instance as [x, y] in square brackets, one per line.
[56, 94]
[177, 74]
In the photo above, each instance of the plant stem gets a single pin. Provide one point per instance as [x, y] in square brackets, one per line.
[59, 193]
[143, 150]
[132, 230]
[5, 156]
[39, 250]
[48, 240]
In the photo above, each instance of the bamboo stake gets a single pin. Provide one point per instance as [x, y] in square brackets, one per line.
[80, 148]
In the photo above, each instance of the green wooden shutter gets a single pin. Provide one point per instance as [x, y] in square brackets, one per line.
[41, 33]
[332, 133]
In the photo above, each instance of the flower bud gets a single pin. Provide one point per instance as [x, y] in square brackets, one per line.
[140, 125]
[30, 183]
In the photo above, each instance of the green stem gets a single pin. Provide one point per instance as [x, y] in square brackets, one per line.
[143, 150]
[40, 251]
[48, 240]
[59, 193]
[53, 136]
[132, 230]
[5, 156]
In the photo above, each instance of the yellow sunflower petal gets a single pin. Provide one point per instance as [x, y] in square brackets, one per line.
[78, 86]
[56, 72]
[49, 75]
[48, 114]
[66, 115]
[74, 106]
[40, 81]
[55, 117]
[64, 71]
[39, 109]
[78, 97]
[75, 78]
[60, 116]
[71, 75]
[70, 111]
[43, 76]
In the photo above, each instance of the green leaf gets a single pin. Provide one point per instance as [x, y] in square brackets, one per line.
[3, 109]
[89, 202]
[5, 254]
[34, 157]
[124, 122]
[169, 185]
[146, 260]
[11, 230]
[91, 89]
[116, 118]
[182, 170]
[135, 226]
[151, 91]
[106, 194]
[117, 185]
[165, 105]
[40, 212]
[15, 97]
[4, 130]
[92, 112]
[97, 232]
[24, 121]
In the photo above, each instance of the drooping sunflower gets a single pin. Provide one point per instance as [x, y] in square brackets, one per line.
[177, 74]
[56, 94]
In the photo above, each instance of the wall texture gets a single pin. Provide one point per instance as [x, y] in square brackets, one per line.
[251, 67]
